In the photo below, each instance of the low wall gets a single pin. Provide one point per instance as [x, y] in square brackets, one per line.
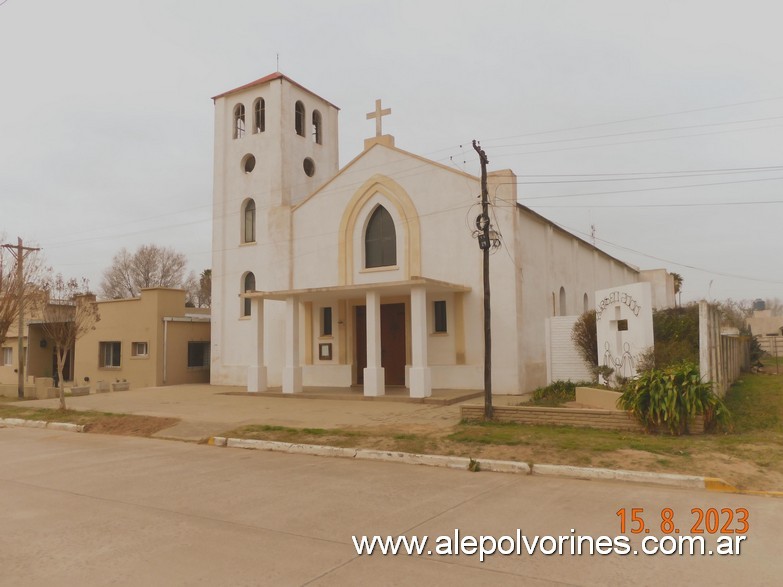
[581, 418]
[603, 399]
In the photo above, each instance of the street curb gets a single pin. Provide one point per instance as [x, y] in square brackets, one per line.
[496, 466]
[461, 463]
[21, 423]
[668, 479]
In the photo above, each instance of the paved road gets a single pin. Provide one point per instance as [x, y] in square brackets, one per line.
[84, 509]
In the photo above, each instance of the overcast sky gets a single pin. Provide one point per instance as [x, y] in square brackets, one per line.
[660, 123]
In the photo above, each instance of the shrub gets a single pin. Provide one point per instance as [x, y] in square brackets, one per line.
[557, 392]
[676, 332]
[671, 396]
[585, 338]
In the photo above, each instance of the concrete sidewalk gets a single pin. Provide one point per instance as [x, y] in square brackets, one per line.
[207, 410]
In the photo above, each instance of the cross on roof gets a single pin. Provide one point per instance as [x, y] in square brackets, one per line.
[377, 114]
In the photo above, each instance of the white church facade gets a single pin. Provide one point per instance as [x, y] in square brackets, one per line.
[369, 275]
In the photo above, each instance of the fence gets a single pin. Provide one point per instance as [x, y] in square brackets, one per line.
[721, 357]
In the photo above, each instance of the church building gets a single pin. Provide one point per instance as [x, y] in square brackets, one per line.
[370, 275]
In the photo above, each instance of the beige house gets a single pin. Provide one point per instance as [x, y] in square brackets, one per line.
[147, 341]
[38, 356]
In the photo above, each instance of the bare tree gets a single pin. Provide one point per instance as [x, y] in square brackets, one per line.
[149, 266]
[199, 289]
[70, 312]
[16, 290]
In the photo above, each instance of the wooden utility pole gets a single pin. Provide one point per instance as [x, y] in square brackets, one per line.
[20, 252]
[485, 243]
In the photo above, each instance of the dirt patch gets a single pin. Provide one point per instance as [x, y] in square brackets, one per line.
[128, 425]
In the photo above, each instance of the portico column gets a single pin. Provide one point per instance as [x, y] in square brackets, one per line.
[256, 372]
[373, 373]
[292, 372]
[419, 374]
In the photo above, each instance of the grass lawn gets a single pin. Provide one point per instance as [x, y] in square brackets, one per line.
[100, 422]
[750, 455]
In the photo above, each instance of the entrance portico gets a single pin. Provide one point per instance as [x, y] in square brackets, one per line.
[338, 351]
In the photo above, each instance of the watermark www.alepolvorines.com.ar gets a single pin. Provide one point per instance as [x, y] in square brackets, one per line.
[519, 544]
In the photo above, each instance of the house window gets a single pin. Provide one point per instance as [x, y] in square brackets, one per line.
[139, 349]
[198, 355]
[110, 354]
[317, 127]
[249, 284]
[326, 321]
[239, 121]
[299, 119]
[8, 356]
[249, 229]
[380, 240]
[259, 116]
[440, 316]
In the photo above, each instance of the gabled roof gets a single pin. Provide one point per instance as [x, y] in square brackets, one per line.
[269, 78]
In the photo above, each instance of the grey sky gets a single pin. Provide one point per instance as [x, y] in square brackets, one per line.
[106, 122]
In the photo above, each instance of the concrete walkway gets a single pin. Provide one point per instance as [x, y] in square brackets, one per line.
[206, 410]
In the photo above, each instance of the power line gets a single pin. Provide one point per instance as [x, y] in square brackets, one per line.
[635, 132]
[635, 119]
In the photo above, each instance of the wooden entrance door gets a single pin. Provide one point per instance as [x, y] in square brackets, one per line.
[392, 343]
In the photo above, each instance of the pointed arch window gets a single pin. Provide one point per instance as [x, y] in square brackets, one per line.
[239, 121]
[380, 240]
[248, 284]
[299, 118]
[259, 116]
[317, 130]
[249, 225]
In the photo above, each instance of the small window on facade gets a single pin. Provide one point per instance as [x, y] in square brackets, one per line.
[249, 228]
[248, 163]
[622, 325]
[317, 127]
[586, 303]
[259, 116]
[326, 321]
[139, 349]
[110, 354]
[309, 167]
[198, 355]
[248, 285]
[562, 302]
[239, 121]
[8, 356]
[380, 240]
[299, 119]
[440, 316]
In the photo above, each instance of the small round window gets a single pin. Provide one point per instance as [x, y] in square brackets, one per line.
[309, 166]
[248, 163]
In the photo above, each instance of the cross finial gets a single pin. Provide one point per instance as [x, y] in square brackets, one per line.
[377, 114]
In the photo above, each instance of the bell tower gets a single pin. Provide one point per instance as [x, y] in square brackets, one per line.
[275, 143]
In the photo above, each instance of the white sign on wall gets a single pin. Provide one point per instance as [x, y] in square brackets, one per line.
[624, 325]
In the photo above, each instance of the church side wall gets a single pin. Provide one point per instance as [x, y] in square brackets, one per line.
[552, 259]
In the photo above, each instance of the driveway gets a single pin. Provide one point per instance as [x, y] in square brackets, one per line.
[207, 410]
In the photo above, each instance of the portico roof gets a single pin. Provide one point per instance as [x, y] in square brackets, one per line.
[388, 288]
